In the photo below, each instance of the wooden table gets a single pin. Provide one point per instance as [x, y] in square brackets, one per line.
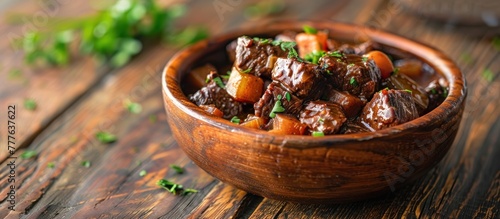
[76, 101]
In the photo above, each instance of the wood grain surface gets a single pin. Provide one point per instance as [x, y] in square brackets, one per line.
[76, 101]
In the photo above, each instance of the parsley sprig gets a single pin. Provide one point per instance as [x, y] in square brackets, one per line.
[114, 34]
[174, 188]
[278, 107]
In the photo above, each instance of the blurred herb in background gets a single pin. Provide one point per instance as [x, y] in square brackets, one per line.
[265, 8]
[114, 34]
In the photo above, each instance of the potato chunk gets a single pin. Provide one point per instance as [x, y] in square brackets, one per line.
[244, 87]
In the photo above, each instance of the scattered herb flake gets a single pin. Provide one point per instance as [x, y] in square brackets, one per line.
[408, 90]
[105, 137]
[318, 134]
[364, 58]
[309, 30]
[262, 41]
[350, 65]
[314, 56]
[488, 75]
[445, 92]
[14, 74]
[133, 107]
[85, 163]
[30, 104]
[188, 191]
[143, 173]
[353, 82]
[396, 70]
[219, 82]
[27, 154]
[177, 168]
[288, 96]
[264, 8]
[466, 58]
[235, 119]
[153, 118]
[51, 165]
[278, 108]
[496, 43]
[336, 54]
[246, 70]
[169, 186]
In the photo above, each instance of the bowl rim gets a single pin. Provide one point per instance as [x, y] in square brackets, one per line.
[432, 56]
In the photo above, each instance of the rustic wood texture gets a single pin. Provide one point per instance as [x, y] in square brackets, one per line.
[77, 101]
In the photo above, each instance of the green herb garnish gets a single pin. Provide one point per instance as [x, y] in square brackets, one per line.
[246, 70]
[350, 65]
[28, 154]
[364, 59]
[287, 46]
[114, 34]
[396, 70]
[85, 163]
[30, 104]
[264, 8]
[153, 118]
[408, 90]
[317, 134]
[445, 92]
[496, 43]
[314, 56]
[188, 191]
[466, 58]
[278, 108]
[132, 107]
[336, 54]
[219, 82]
[288, 96]
[169, 186]
[143, 173]
[51, 165]
[321, 120]
[262, 41]
[177, 168]
[235, 119]
[14, 73]
[353, 82]
[105, 137]
[309, 30]
[488, 75]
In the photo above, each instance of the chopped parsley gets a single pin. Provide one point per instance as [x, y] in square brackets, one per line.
[350, 65]
[247, 70]
[336, 54]
[287, 46]
[496, 43]
[488, 75]
[153, 118]
[105, 137]
[433, 91]
[278, 108]
[28, 154]
[396, 70]
[235, 119]
[143, 173]
[219, 82]
[262, 41]
[30, 104]
[317, 134]
[288, 96]
[51, 165]
[314, 56]
[353, 82]
[445, 93]
[177, 168]
[309, 30]
[364, 58]
[174, 188]
[408, 90]
[133, 107]
[85, 163]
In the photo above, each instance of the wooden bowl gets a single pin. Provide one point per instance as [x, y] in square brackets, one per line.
[308, 169]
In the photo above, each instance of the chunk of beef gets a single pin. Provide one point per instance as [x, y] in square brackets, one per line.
[351, 104]
[265, 105]
[436, 93]
[257, 56]
[400, 81]
[353, 127]
[353, 74]
[213, 94]
[388, 108]
[323, 117]
[305, 80]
